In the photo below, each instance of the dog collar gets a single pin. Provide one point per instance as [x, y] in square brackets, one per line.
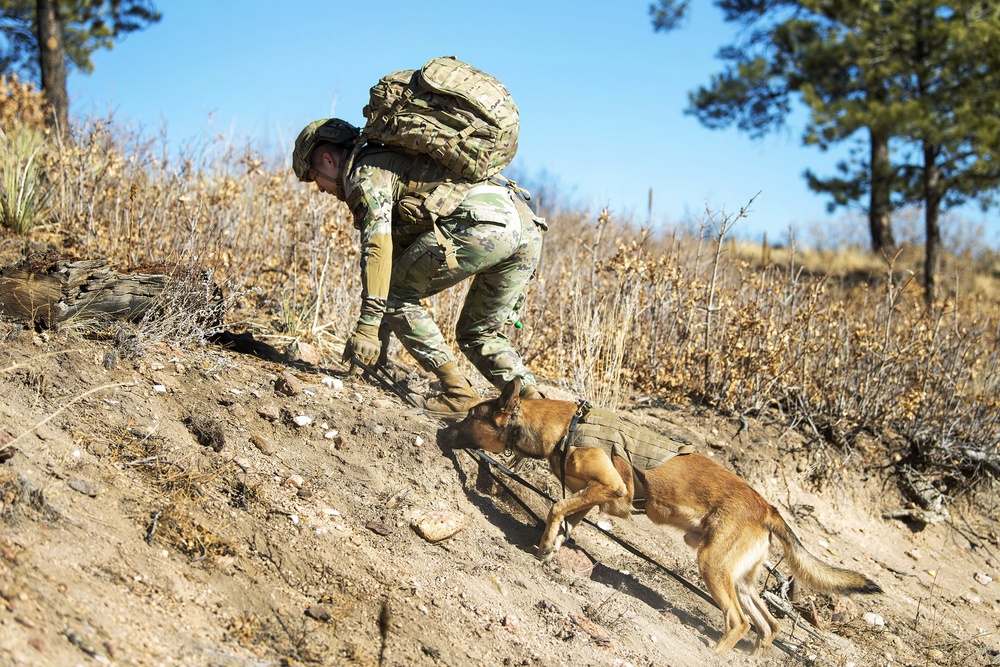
[581, 409]
[508, 430]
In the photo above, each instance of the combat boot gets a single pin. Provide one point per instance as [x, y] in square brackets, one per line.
[456, 399]
[531, 392]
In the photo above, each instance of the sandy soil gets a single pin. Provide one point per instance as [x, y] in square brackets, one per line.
[169, 510]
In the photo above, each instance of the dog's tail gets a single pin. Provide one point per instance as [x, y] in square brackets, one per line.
[811, 571]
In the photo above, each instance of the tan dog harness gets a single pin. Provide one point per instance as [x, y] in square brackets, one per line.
[643, 448]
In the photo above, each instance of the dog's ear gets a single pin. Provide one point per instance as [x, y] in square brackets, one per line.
[510, 395]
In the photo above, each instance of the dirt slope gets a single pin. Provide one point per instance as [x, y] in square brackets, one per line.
[168, 510]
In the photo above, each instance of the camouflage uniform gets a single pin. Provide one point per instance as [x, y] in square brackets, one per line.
[407, 209]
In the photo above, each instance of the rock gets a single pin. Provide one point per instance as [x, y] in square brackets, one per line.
[573, 560]
[304, 352]
[331, 434]
[82, 486]
[418, 442]
[302, 420]
[983, 578]
[237, 410]
[874, 619]
[378, 527]
[269, 412]
[288, 385]
[320, 613]
[844, 610]
[159, 389]
[262, 444]
[440, 525]
[295, 480]
[333, 383]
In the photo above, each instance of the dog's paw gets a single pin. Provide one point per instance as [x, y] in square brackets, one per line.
[545, 554]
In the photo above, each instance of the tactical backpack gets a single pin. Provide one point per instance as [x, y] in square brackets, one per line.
[461, 117]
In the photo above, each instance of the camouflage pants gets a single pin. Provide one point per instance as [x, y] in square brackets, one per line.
[497, 242]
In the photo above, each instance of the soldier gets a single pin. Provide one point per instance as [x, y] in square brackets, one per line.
[423, 231]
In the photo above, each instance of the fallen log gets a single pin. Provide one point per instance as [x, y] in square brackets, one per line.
[49, 291]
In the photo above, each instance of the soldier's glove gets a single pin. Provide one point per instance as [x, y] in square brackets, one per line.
[363, 345]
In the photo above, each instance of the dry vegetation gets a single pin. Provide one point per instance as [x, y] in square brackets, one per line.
[838, 344]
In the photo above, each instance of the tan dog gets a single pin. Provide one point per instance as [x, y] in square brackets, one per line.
[723, 518]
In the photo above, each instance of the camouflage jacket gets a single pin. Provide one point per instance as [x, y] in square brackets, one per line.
[394, 196]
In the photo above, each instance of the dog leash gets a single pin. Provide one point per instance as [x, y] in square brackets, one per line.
[492, 463]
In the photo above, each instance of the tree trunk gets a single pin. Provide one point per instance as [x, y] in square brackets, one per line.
[52, 64]
[932, 210]
[879, 222]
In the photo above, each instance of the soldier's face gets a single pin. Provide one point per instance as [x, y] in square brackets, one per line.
[326, 172]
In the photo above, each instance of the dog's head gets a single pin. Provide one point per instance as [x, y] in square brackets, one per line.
[487, 425]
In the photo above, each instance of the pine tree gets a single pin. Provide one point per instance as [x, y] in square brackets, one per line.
[43, 38]
[919, 77]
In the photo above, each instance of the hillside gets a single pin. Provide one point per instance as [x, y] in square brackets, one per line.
[165, 509]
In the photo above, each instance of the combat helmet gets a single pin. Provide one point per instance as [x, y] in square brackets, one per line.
[334, 130]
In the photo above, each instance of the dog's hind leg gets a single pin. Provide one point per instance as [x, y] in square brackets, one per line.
[766, 626]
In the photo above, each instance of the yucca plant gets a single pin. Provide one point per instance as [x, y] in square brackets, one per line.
[24, 195]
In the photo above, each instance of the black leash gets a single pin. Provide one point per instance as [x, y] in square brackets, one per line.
[492, 463]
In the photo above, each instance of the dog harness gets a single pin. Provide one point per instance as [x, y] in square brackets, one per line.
[644, 449]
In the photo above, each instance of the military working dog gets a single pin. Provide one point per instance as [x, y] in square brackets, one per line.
[723, 518]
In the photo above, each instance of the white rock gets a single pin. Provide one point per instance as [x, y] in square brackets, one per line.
[295, 480]
[159, 389]
[874, 619]
[379, 430]
[604, 525]
[983, 578]
[419, 442]
[294, 518]
[302, 420]
[331, 434]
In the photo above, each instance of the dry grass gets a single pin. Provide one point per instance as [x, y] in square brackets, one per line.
[836, 343]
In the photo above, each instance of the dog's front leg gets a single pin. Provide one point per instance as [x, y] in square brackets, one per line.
[592, 470]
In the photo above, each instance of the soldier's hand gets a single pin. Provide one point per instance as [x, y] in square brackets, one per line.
[363, 345]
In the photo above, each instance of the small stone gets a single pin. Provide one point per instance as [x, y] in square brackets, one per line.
[237, 410]
[320, 613]
[304, 493]
[159, 389]
[418, 442]
[379, 430]
[305, 353]
[873, 619]
[262, 444]
[288, 385]
[983, 578]
[302, 420]
[295, 480]
[269, 412]
[333, 383]
[914, 554]
[378, 527]
[82, 486]
[510, 622]
[331, 434]
[440, 525]
[573, 560]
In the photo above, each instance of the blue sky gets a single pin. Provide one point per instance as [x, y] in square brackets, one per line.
[601, 95]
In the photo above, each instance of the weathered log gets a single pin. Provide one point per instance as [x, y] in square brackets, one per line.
[50, 291]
